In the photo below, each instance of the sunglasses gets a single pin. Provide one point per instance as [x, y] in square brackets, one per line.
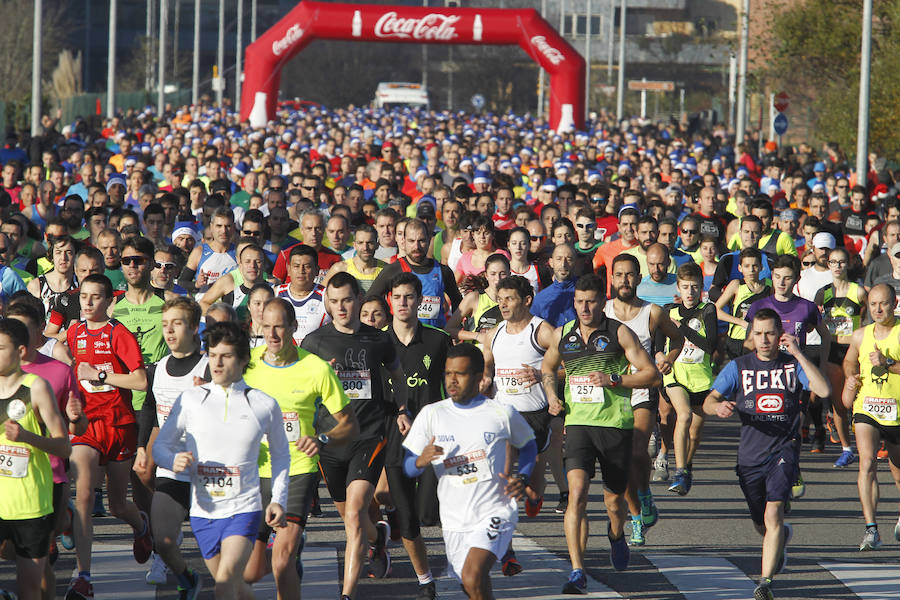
[134, 260]
[537, 238]
[245, 232]
[168, 266]
[308, 188]
[598, 200]
[587, 226]
[808, 263]
[689, 231]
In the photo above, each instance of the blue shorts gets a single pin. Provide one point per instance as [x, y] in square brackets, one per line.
[210, 532]
[769, 482]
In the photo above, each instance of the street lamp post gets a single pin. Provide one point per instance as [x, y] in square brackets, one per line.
[862, 126]
[161, 75]
[36, 68]
[239, 56]
[220, 56]
[741, 116]
[620, 92]
[111, 63]
[195, 78]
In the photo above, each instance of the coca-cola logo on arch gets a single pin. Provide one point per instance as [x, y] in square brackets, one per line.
[294, 33]
[551, 53]
[434, 26]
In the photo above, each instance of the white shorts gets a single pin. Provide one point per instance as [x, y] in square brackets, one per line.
[494, 534]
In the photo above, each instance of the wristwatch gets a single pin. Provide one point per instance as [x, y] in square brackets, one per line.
[323, 439]
[615, 379]
[101, 377]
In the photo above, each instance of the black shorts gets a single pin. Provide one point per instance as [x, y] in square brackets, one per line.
[769, 482]
[587, 444]
[651, 404]
[889, 433]
[694, 398]
[57, 495]
[30, 537]
[362, 459]
[836, 353]
[813, 353]
[539, 420]
[415, 500]
[301, 491]
[734, 348]
[179, 491]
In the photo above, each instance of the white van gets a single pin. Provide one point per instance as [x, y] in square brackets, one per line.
[399, 94]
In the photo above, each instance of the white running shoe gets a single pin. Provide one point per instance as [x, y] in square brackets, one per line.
[159, 572]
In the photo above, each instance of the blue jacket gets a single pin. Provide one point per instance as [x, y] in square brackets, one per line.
[555, 303]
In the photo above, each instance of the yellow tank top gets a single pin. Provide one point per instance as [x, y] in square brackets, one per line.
[365, 281]
[26, 479]
[879, 392]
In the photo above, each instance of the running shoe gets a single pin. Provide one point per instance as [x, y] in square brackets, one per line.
[649, 512]
[394, 521]
[871, 539]
[882, 452]
[660, 469]
[577, 583]
[653, 445]
[80, 589]
[619, 553]
[427, 591]
[782, 560]
[818, 443]
[799, 488]
[763, 592]
[831, 428]
[379, 557]
[316, 509]
[67, 538]
[143, 542]
[192, 592]
[7, 595]
[510, 564]
[98, 511]
[532, 510]
[563, 503]
[54, 552]
[679, 484]
[637, 533]
[845, 459]
[158, 573]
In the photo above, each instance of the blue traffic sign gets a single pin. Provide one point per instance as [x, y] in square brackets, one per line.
[781, 124]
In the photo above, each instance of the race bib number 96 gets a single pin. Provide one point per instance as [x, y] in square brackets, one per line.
[14, 461]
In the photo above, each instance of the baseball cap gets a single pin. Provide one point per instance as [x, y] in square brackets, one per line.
[116, 179]
[823, 239]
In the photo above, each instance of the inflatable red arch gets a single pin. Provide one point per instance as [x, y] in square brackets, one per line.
[309, 21]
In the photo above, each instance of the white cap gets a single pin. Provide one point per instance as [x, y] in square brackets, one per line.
[823, 239]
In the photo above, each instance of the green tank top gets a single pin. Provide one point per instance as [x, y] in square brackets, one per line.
[26, 479]
[842, 315]
[365, 280]
[587, 404]
[741, 304]
[145, 322]
[879, 390]
[693, 368]
[486, 314]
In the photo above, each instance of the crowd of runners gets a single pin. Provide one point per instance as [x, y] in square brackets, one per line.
[437, 316]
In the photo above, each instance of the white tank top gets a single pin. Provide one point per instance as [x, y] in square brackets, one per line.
[531, 274]
[640, 325]
[167, 389]
[455, 253]
[47, 347]
[511, 351]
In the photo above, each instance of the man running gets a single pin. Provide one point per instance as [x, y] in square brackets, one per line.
[303, 292]
[646, 320]
[872, 391]
[226, 508]
[596, 351]
[357, 352]
[464, 438]
[765, 388]
[33, 430]
[300, 382]
[182, 369]
[109, 366]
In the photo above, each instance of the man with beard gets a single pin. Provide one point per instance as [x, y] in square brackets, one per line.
[628, 218]
[646, 320]
[647, 234]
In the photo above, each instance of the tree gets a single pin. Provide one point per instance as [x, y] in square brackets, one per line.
[812, 50]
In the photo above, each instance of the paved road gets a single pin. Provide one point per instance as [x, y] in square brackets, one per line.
[704, 547]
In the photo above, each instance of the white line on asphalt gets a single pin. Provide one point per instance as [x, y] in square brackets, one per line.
[320, 575]
[868, 581]
[115, 575]
[542, 578]
[703, 577]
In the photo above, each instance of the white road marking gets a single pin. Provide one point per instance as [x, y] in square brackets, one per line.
[867, 580]
[703, 577]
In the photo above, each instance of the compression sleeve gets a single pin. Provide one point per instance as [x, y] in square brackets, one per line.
[527, 458]
[409, 464]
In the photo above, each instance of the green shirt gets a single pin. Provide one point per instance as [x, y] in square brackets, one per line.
[242, 199]
[145, 322]
[300, 388]
[117, 278]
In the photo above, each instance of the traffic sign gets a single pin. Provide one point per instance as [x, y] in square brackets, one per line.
[782, 101]
[478, 101]
[781, 124]
[637, 85]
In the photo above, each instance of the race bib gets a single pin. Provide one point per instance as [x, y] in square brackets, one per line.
[218, 483]
[357, 384]
[14, 461]
[466, 469]
[882, 409]
[430, 307]
[582, 391]
[840, 325]
[291, 422]
[510, 381]
[162, 413]
[691, 354]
